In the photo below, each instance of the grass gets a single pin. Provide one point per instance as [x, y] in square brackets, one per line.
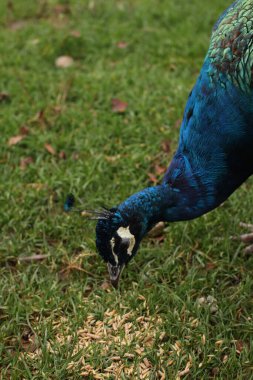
[47, 307]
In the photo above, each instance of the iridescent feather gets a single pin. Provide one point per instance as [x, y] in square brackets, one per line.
[231, 47]
[69, 202]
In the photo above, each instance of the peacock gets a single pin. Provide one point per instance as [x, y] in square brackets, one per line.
[215, 150]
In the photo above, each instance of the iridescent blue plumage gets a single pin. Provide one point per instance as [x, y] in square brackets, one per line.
[69, 202]
[215, 150]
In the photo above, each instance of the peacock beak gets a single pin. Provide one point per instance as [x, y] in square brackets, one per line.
[114, 273]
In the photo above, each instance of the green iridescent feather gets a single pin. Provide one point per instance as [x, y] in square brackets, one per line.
[231, 47]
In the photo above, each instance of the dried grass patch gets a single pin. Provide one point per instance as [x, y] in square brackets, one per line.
[118, 346]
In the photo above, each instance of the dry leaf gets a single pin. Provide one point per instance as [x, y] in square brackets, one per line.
[24, 130]
[16, 25]
[75, 156]
[106, 285]
[215, 371]
[152, 178]
[40, 116]
[159, 239]
[64, 62]
[210, 266]
[61, 9]
[239, 344]
[159, 170]
[119, 106]
[50, 149]
[75, 33]
[15, 139]
[113, 158]
[165, 145]
[57, 109]
[122, 45]
[24, 162]
[157, 230]
[62, 155]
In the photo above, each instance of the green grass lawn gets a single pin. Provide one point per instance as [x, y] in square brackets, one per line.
[184, 308]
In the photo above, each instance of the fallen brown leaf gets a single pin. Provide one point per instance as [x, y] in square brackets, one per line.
[64, 62]
[40, 115]
[157, 230]
[50, 149]
[159, 170]
[239, 344]
[106, 285]
[75, 33]
[210, 266]
[122, 45]
[24, 130]
[113, 158]
[62, 155]
[152, 178]
[119, 106]
[215, 371]
[158, 240]
[165, 145]
[61, 9]
[57, 109]
[24, 162]
[75, 156]
[16, 25]
[15, 139]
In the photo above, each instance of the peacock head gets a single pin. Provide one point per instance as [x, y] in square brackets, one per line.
[118, 236]
[120, 230]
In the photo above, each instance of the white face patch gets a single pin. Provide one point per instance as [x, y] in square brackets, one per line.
[114, 254]
[123, 233]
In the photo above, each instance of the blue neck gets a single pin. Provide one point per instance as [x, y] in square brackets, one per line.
[163, 203]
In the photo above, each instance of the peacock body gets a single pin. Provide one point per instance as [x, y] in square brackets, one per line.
[215, 151]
